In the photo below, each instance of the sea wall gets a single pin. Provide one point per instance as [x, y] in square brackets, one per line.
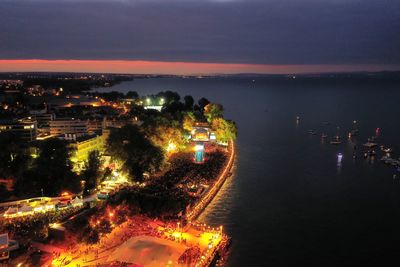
[202, 203]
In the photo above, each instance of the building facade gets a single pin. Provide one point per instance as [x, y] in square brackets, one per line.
[64, 126]
[25, 128]
[83, 145]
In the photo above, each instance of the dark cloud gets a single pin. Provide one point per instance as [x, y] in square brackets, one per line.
[228, 31]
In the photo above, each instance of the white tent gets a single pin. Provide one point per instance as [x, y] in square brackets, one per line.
[11, 211]
[77, 201]
[25, 209]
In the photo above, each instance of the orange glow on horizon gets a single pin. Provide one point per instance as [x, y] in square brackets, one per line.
[164, 67]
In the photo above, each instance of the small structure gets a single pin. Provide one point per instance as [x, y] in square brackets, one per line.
[201, 135]
[77, 202]
[199, 152]
[25, 210]
[7, 245]
[11, 212]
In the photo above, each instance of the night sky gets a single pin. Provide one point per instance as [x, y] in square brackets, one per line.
[275, 33]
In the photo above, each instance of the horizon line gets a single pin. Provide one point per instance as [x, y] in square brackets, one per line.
[180, 68]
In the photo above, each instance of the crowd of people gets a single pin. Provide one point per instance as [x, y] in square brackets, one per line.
[34, 226]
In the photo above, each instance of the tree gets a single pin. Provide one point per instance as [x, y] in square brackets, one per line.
[91, 172]
[173, 110]
[132, 94]
[52, 171]
[224, 130]
[14, 158]
[135, 152]
[168, 138]
[169, 96]
[203, 102]
[188, 121]
[137, 111]
[212, 111]
[189, 102]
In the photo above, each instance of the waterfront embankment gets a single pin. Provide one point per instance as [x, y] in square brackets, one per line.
[202, 203]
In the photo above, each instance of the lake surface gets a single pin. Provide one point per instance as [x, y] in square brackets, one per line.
[289, 202]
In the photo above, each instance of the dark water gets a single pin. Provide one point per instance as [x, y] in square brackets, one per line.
[290, 203]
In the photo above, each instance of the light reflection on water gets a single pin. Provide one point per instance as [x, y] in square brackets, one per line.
[288, 202]
[218, 210]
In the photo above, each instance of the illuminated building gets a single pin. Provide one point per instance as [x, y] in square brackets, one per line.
[7, 245]
[43, 122]
[202, 132]
[25, 128]
[68, 126]
[4, 252]
[83, 145]
[154, 103]
[118, 123]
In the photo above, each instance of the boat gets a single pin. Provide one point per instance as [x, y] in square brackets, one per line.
[323, 136]
[387, 150]
[312, 132]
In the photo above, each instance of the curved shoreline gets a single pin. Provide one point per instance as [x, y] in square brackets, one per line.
[200, 205]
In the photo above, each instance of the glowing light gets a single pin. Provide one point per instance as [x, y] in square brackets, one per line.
[339, 158]
[198, 147]
[65, 194]
[171, 147]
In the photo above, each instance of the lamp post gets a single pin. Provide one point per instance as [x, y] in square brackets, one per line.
[83, 186]
[41, 189]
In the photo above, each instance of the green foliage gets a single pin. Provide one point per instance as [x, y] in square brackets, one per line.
[51, 171]
[136, 153]
[225, 130]
[91, 173]
[14, 158]
[162, 132]
[169, 96]
[203, 102]
[212, 111]
[189, 102]
[188, 121]
[132, 94]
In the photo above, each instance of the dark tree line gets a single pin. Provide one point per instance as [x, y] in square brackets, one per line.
[50, 173]
[134, 151]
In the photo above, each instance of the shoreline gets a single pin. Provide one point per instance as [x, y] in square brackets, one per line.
[202, 204]
[218, 255]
